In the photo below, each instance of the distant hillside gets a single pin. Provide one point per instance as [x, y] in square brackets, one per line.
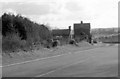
[104, 31]
[106, 35]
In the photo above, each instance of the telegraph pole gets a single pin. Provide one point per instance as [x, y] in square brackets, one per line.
[70, 33]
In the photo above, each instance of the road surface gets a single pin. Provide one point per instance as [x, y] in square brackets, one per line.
[98, 62]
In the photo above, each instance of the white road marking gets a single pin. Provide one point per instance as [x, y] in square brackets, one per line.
[61, 68]
[36, 60]
[53, 71]
[33, 60]
[46, 58]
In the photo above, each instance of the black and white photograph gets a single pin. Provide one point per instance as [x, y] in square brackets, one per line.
[59, 39]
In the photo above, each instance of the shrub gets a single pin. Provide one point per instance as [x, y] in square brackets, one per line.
[11, 42]
[20, 32]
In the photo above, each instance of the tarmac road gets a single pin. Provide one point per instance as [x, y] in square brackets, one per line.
[98, 62]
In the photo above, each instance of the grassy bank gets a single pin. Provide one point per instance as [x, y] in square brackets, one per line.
[20, 33]
[41, 52]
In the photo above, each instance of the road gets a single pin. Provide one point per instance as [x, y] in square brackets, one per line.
[98, 62]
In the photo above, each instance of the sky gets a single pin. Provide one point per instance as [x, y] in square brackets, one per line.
[64, 13]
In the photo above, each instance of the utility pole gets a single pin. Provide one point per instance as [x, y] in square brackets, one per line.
[70, 33]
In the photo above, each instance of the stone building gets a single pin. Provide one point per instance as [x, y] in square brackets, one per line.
[62, 35]
[82, 31]
[61, 32]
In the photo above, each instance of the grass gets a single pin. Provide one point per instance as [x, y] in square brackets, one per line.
[111, 39]
[22, 56]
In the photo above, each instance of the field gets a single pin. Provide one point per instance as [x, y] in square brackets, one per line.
[106, 35]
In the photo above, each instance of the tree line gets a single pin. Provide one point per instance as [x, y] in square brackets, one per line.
[19, 32]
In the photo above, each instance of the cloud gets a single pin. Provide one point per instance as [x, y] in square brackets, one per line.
[7, 1]
[100, 13]
[74, 6]
[11, 11]
[34, 7]
[28, 8]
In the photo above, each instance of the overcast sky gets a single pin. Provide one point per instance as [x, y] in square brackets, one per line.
[63, 13]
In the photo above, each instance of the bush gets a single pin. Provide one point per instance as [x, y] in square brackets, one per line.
[11, 43]
[94, 41]
[72, 42]
[19, 32]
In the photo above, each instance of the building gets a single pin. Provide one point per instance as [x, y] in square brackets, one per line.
[61, 32]
[81, 30]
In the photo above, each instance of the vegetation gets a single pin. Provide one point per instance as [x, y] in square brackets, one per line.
[19, 32]
[104, 31]
[106, 35]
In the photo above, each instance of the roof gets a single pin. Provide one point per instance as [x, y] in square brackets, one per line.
[81, 27]
[60, 32]
[84, 25]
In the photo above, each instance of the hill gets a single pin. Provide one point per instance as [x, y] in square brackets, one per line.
[106, 35]
[104, 31]
[20, 33]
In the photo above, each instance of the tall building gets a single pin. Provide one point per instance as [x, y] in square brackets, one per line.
[81, 29]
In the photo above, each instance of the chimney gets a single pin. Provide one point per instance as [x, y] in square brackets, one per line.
[81, 22]
[70, 28]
